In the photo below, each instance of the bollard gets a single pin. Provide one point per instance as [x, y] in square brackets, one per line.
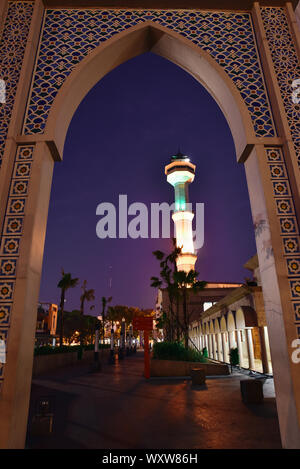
[252, 391]
[198, 376]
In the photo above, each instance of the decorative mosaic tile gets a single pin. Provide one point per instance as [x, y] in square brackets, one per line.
[286, 65]
[69, 35]
[6, 290]
[295, 288]
[9, 246]
[281, 188]
[278, 171]
[12, 233]
[22, 170]
[16, 206]
[291, 245]
[293, 266]
[273, 155]
[19, 187]
[288, 223]
[284, 206]
[13, 225]
[8, 267]
[297, 311]
[4, 314]
[12, 48]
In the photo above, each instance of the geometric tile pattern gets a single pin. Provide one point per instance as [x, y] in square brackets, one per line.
[11, 235]
[69, 35]
[286, 65]
[289, 230]
[12, 47]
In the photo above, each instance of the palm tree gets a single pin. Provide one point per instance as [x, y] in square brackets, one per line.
[187, 283]
[177, 283]
[87, 295]
[64, 284]
[168, 268]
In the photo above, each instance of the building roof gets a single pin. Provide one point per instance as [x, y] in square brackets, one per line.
[232, 297]
[179, 156]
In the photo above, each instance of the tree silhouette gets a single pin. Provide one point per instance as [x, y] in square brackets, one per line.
[64, 284]
[87, 295]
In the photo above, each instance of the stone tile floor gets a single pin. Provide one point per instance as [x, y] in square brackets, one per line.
[118, 408]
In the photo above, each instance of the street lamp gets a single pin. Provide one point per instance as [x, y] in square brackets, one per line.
[112, 344]
[97, 363]
[122, 339]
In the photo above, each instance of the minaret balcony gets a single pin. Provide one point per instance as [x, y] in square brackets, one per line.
[182, 215]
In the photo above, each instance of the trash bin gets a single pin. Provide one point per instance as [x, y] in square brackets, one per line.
[198, 376]
[252, 391]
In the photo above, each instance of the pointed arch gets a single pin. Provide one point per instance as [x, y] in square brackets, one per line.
[148, 36]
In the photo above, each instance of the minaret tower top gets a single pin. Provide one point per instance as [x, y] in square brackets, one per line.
[180, 173]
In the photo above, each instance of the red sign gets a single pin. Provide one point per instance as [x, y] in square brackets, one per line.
[143, 323]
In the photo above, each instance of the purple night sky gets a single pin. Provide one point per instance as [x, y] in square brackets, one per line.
[122, 135]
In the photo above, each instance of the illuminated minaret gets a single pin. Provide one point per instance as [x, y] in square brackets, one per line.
[180, 173]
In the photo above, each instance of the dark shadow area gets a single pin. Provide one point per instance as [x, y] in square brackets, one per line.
[119, 408]
[267, 409]
[198, 387]
[57, 438]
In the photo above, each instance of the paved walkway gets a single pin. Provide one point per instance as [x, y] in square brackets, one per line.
[118, 408]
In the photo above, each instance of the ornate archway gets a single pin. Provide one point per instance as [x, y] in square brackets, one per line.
[73, 50]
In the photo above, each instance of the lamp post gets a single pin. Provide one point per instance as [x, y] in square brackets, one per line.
[122, 339]
[112, 344]
[129, 340]
[97, 363]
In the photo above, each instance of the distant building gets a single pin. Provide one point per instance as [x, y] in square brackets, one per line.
[200, 302]
[46, 323]
[222, 316]
[237, 320]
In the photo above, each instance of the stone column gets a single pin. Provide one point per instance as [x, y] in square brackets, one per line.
[224, 347]
[269, 358]
[207, 343]
[278, 281]
[14, 401]
[240, 347]
[213, 340]
[250, 349]
[263, 348]
[231, 340]
[220, 347]
[210, 346]
[266, 180]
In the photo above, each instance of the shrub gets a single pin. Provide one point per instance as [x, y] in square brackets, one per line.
[234, 356]
[176, 351]
[49, 350]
